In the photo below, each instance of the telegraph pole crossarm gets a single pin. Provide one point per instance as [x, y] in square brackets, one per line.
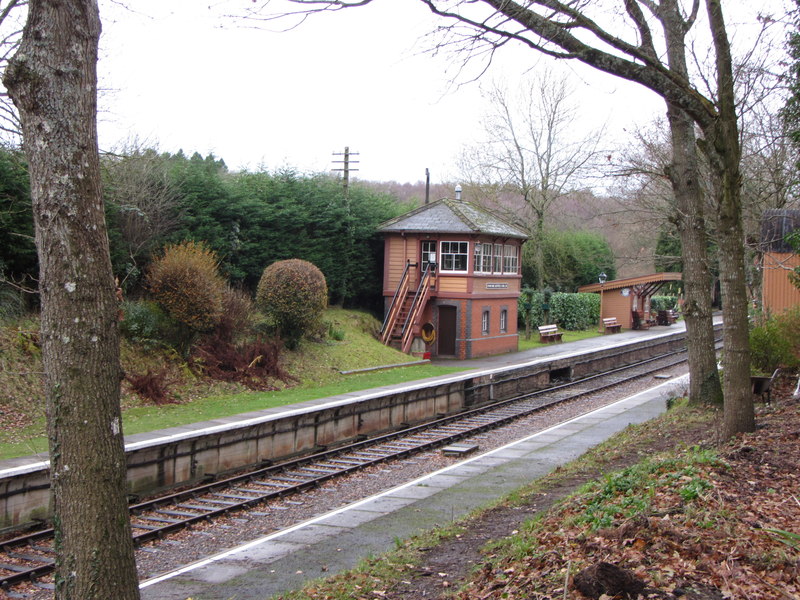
[346, 168]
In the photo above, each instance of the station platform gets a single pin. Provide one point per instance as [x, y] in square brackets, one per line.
[141, 441]
[337, 541]
[553, 350]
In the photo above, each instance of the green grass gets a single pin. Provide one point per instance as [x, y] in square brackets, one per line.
[149, 418]
[372, 576]
[568, 336]
[316, 365]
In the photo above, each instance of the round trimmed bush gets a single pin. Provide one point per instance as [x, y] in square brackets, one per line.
[293, 295]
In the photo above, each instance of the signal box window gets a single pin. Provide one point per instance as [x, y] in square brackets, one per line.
[455, 257]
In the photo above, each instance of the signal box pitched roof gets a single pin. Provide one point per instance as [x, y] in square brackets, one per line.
[452, 216]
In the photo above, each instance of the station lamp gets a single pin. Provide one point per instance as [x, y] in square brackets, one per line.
[602, 279]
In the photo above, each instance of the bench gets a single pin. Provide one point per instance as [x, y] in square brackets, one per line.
[761, 385]
[610, 325]
[549, 333]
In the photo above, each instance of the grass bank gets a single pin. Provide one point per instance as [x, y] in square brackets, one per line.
[567, 336]
[315, 367]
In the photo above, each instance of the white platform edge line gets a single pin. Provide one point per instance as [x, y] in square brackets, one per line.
[227, 553]
[444, 380]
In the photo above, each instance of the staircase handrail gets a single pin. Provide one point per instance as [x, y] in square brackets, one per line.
[420, 299]
[394, 307]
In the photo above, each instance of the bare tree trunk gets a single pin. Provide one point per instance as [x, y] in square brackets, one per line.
[684, 174]
[52, 80]
[722, 149]
[704, 384]
[538, 249]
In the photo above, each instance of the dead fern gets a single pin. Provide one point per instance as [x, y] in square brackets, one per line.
[255, 364]
[152, 386]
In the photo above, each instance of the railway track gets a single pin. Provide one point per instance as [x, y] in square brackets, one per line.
[30, 557]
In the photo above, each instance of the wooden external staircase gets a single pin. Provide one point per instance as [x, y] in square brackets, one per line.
[404, 316]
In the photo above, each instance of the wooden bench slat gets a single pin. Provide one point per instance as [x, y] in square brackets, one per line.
[549, 333]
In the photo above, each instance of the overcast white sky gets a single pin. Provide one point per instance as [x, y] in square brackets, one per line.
[178, 76]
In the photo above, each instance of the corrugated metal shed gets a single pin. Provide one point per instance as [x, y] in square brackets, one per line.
[778, 294]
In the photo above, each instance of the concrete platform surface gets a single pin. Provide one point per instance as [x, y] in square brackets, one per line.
[336, 541]
[569, 348]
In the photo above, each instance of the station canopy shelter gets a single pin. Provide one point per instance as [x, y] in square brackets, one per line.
[629, 299]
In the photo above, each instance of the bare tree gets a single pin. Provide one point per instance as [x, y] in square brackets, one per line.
[12, 18]
[722, 149]
[670, 190]
[765, 164]
[644, 193]
[53, 81]
[530, 154]
[688, 215]
[617, 38]
[769, 161]
[144, 199]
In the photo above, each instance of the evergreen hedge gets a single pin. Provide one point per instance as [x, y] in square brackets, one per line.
[663, 303]
[571, 312]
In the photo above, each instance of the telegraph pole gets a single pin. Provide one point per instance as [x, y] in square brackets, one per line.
[349, 239]
[346, 168]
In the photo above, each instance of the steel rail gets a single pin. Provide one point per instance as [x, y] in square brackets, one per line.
[159, 517]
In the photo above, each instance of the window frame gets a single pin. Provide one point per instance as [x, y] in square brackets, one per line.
[486, 321]
[425, 253]
[483, 261]
[510, 258]
[497, 259]
[444, 256]
[504, 320]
